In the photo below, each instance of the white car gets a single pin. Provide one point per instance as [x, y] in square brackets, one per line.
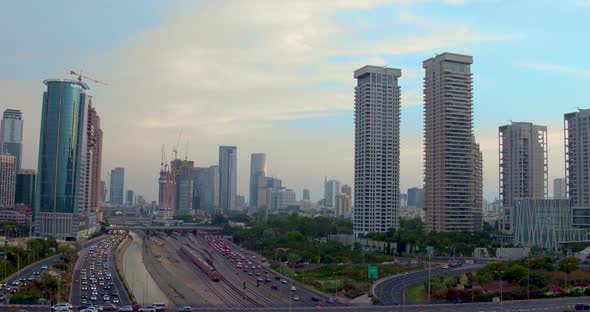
[293, 288]
[62, 306]
[295, 298]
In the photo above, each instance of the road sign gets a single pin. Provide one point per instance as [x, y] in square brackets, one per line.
[373, 272]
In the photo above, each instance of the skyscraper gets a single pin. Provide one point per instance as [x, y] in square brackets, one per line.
[129, 198]
[183, 174]
[117, 186]
[416, 197]
[7, 179]
[61, 171]
[577, 162]
[11, 135]
[257, 169]
[523, 165]
[559, 188]
[206, 188]
[228, 178]
[450, 182]
[306, 194]
[103, 191]
[376, 147]
[93, 161]
[331, 188]
[166, 192]
[25, 187]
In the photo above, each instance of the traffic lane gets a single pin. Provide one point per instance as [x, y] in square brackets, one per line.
[81, 263]
[116, 279]
[393, 291]
[303, 292]
[29, 272]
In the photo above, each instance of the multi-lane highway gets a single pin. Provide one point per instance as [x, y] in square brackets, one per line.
[95, 279]
[393, 290]
[26, 275]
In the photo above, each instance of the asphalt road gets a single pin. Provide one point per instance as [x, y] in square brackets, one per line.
[393, 291]
[27, 273]
[103, 264]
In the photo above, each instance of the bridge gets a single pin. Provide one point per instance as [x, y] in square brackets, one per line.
[166, 229]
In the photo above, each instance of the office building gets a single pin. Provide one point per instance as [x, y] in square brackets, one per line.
[206, 189]
[103, 191]
[11, 135]
[25, 187]
[61, 171]
[415, 197]
[257, 169]
[343, 206]
[523, 164]
[92, 189]
[577, 162]
[450, 182]
[17, 213]
[346, 189]
[7, 179]
[129, 198]
[280, 198]
[376, 149]
[545, 223]
[477, 166]
[264, 185]
[139, 201]
[117, 186]
[331, 188]
[228, 178]
[306, 194]
[183, 174]
[559, 188]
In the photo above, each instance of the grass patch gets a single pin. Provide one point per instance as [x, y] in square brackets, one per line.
[417, 294]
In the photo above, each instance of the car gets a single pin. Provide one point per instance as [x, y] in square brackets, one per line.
[257, 273]
[159, 306]
[115, 300]
[185, 309]
[44, 267]
[277, 277]
[293, 288]
[314, 298]
[295, 298]
[60, 305]
[126, 309]
[109, 307]
[93, 298]
[106, 298]
[283, 281]
[582, 306]
[267, 279]
[319, 305]
[260, 279]
[136, 307]
[274, 287]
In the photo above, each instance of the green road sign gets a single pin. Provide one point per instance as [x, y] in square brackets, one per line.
[373, 272]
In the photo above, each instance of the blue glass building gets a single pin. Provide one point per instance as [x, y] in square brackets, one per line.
[61, 164]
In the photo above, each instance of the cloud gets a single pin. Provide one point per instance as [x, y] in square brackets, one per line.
[556, 68]
[229, 72]
[411, 98]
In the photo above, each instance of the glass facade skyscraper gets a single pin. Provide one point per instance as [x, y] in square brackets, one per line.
[117, 186]
[11, 135]
[60, 169]
[228, 173]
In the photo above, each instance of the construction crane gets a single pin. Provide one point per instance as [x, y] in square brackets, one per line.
[80, 76]
[175, 149]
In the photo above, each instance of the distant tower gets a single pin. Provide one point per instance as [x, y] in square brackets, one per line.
[228, 182]
[117, 186]
[306, 194]
[11, 135]
[7, 179]
[559, 188]
[376, 149]
[257, 170]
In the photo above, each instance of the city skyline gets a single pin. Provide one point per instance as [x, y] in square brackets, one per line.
[295, 122]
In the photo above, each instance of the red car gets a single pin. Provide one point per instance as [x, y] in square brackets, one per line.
[136, 307]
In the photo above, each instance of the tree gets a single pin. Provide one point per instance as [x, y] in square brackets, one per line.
[569, 264]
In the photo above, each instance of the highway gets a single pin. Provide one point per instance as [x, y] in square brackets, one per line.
[95, 276]
[393, 290]
[27, 274]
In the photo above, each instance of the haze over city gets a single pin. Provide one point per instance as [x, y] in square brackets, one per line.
[276, 77]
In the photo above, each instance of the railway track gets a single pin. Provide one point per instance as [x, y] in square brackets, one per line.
[231, 272]
[240, 298]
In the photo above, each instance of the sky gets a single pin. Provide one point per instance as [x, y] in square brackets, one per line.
[276, 76]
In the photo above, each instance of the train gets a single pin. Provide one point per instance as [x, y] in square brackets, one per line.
[203, 265]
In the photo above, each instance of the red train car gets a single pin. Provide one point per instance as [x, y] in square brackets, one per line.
[203, 265]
